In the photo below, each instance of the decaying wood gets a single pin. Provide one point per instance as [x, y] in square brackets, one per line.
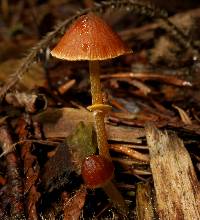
[176, 185]
[144, 202]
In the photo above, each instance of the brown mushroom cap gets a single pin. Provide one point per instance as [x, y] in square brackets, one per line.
[96, 171]
[89, 38]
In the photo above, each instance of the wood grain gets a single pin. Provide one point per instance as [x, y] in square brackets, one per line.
[176, 185]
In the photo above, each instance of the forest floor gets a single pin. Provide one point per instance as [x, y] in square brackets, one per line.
[153, 129]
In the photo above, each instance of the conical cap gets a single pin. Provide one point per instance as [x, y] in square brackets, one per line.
[90, 38]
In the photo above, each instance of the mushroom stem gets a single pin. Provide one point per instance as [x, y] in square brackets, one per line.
[101, 134]
[116, 197]
[94, 69]
[99, 115]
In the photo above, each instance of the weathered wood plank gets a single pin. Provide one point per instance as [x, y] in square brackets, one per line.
[176, 185]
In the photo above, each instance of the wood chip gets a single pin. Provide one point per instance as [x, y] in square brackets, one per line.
[176, 185]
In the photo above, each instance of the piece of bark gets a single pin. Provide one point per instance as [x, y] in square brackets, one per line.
[62, 122]
[144, 202]
[73, 206]
[15, 184]
[31, 167]
[176, 185]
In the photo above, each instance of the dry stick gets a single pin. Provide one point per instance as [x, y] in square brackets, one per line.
[16, 192]
[176, 185]
[139, 172]
[148, 76]
[44, 43]
[128, 162]
[66, 86]
[130, 152]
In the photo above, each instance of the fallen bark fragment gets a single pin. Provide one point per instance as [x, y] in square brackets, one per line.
[176, 185]
[73, 206]
[14, 179]
[144, 202]
[31, 167]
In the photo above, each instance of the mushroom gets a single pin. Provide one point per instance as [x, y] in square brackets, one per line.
[90, 38]
[97, 171]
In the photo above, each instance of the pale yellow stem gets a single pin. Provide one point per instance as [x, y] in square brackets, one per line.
[99, 115]
[96, 92]
[101, 133]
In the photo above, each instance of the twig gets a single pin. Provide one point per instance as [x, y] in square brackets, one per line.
[148, 76]
[130, 152]
[66, 86]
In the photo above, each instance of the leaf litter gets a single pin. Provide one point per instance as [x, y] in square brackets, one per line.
[44, 142]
